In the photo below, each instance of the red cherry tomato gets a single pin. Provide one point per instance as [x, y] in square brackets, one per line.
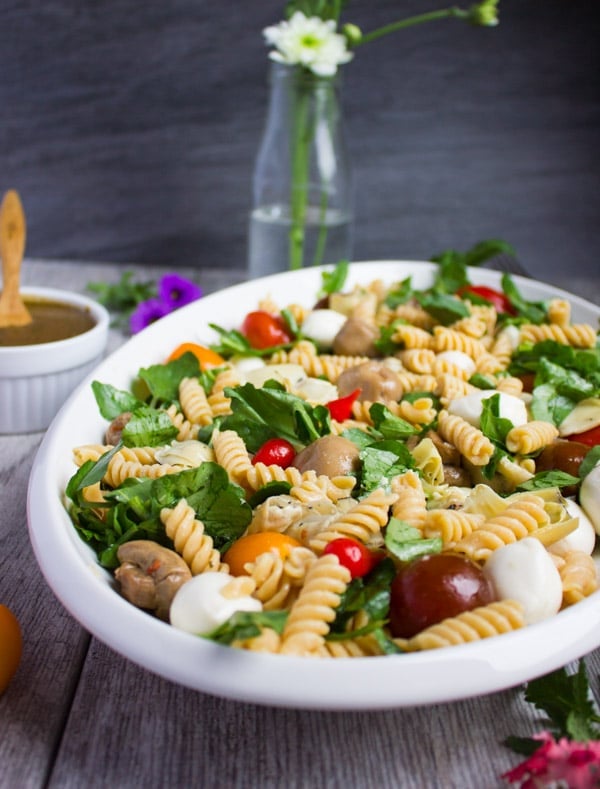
[263, 330]
[353, 555]
[495, 297]
[341, 409]
[590, 437]
[275, 452]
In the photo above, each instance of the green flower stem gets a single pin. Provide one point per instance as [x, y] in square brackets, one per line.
[301, 140]
[430, 16]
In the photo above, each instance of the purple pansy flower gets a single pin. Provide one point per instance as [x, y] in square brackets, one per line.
[177, 291]
[146, 313]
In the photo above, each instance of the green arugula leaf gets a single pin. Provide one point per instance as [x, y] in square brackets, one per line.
[113, 402]
[482, 381]
[549, 479]
[243, 625]
[589, 462]
[384, 343]
[370, 594]
[260, 414]
[492, 425]
[148, 427]
[274, 488]
[362, 438]
[333, 281]
[162, 380]
[399, 294]
[406, 543]
[231, 343]
[533, 312]
[389, 425]
[446, 309]
[381, 462]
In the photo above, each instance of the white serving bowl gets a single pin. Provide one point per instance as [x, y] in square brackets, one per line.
[35, 380]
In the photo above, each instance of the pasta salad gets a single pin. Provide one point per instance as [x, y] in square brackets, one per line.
[389, 470]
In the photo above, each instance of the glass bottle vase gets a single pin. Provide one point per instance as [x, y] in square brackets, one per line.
[302, 186]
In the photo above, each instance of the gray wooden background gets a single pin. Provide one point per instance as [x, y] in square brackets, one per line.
[130, 129]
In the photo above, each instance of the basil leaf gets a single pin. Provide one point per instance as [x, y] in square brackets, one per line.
[589, 462]
[243, 625]
[444, 308]
[399, 294]
[148, 427]
[406, 543]
[389, 425]
[163, 380]
[534, 312]
[381, 462]
[113, 402]
[370, 594]
[333, 281]
[492, 425]
[549, 479]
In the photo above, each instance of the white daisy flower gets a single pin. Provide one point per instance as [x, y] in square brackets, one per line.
[310, 42]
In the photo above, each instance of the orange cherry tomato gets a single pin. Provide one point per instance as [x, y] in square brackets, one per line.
[11, 646]
[263, 330]
[247, 548]
[206, 357]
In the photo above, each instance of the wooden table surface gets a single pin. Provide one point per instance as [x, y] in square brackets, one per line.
[79, 715]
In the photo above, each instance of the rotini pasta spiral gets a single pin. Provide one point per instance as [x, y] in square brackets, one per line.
[190, 541]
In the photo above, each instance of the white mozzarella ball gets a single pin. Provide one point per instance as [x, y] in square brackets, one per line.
[584, 536]
[245, 364]
[199, 607]
[316, 390]
[524, 571]
[512, 334]
[290, 375]
[461, 359]
[321, 326]
[470, 407]
[589, 496]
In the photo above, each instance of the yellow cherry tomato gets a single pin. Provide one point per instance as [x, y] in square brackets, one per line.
[247, 548]
[206, 357]
[11, 646]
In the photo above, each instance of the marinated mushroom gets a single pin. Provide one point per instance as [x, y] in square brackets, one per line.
[149, 575]
[448, 452]
[356, 338]
[332, 455]
[376, 381]
[115, 429]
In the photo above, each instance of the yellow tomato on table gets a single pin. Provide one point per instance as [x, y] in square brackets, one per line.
[11, 646]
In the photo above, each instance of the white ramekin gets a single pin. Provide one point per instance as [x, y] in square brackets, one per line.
[35, 380]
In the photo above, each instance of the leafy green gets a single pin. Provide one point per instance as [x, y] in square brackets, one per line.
[243, 625]
[492, 425]
[370, 594]
[132, 511]
[162, 380]
[549, 479]
[385, 343]
[482, 381]
[589, 462]
[399, 294]
[565, 698]
[112, 402]
[122, 297]
[389, 425]
[274, 488]
[531, 311]
[443, 307]
[333, 281]
[148, 427]
[260, 414]
[381, 462]
[406, 543]
[476, 255]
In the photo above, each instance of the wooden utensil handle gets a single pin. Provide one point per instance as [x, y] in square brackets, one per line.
[12, 233]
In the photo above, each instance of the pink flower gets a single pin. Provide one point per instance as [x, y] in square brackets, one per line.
[575, 764]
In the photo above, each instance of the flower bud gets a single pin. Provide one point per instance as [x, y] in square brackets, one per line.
[353, 34]
[484, 13]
